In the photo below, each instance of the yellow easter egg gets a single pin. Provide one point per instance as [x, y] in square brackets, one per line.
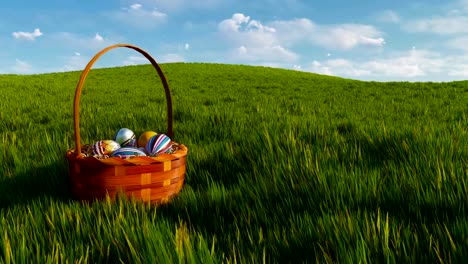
[145, 137]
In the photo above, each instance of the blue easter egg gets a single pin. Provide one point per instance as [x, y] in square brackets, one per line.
[158, 144]
[128, 152]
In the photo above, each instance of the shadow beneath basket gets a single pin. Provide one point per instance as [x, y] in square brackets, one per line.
[41, 182]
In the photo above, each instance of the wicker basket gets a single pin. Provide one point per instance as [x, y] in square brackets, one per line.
[154, 179]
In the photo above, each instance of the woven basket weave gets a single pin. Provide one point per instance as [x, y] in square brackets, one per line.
[153, 179]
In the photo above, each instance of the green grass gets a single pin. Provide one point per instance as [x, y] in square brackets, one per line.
[283, 166]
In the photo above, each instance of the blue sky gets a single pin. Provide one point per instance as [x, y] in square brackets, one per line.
[366, 40]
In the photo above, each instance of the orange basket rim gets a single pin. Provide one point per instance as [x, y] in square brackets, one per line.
[180, 153]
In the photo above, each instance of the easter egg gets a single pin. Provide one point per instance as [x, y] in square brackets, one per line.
[142, 149]
[144, 138]
[125, 137]
[158, 144]
[128, 152]
[105, 147]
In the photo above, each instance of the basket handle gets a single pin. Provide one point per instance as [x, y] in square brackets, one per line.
[85, 73]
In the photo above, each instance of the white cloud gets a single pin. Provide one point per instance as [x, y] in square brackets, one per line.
[139, 17]
[77, 54]
[254, 24]
[347, 36]
[28, 35]
[460, 71]
[253, 41]
[406, 65]
[297, 67]
[451, 18]
[293, 31]
[393, 68]
[461, 4]
[135, 6]
[442, 25]
[371, 41]
[341, 66]
[171, 57]
[238, 19]
[242, 50]
[181, 5]
[98, 38]
[234, 23]
[341, 36]
[389, 16]
[319, 68]
[79, 42]
[240, 29]
[22, 67]
[187, 46]
[73, 63]
[460, 43]
[410, 65]
[282, 35]
[135, 60]
[255, 54]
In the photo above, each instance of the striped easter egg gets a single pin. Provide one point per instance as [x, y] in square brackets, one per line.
[142, 149]
[158, 144]
[105, 147]
[128, 152]
[125, 137]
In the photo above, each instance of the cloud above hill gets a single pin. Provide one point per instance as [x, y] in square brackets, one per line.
[81, 42]
[28, 35]
[408, 65]
[175, 6]
[253, 40]
[139, 16]
[22, 67]
[388, 16]
[441, 25]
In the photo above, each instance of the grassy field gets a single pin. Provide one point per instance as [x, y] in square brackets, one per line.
[283, 166]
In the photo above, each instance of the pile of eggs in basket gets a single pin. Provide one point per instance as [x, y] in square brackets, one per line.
[125, 145]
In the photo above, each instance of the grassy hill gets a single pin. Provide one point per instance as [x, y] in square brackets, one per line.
[283, 166]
